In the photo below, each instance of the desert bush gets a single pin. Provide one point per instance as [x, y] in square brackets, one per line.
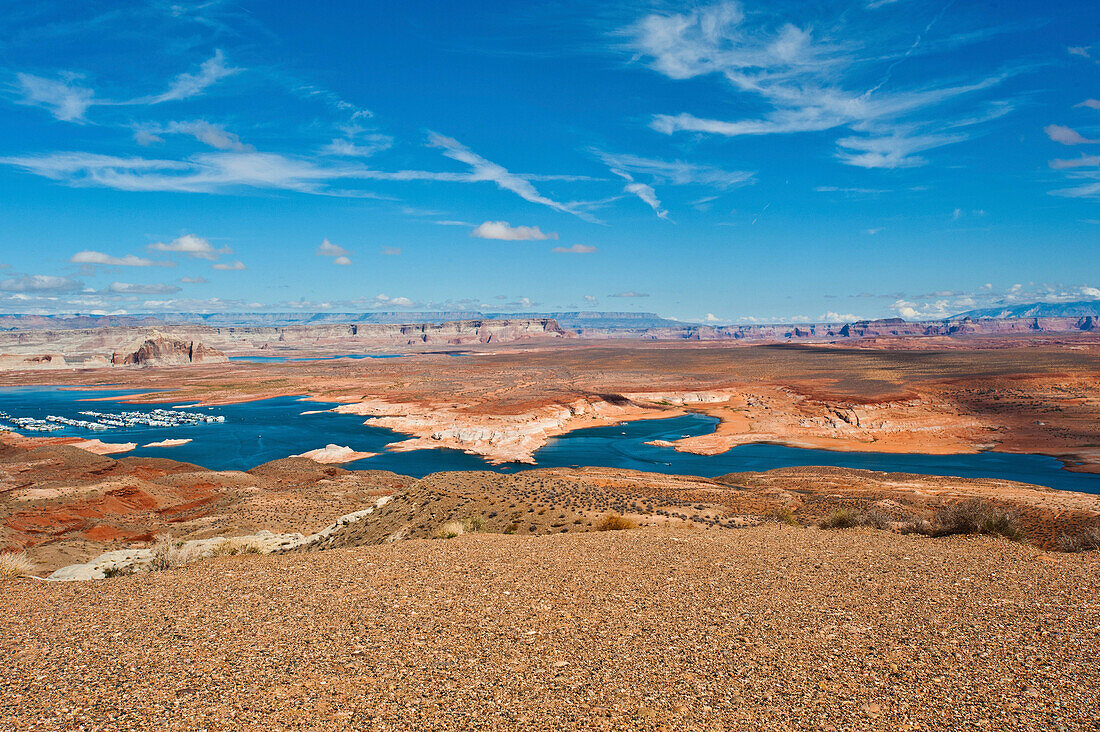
[473, 523]
[511, 528]
[964, 517]
[877, 519]
[237, 545]
[916, 526]
[122, 571]
[169, 553]
[841, 518]
[15, 564]
[615, 522]
[1085, 541]
[451, 529]
[783, 515]
[975, 516]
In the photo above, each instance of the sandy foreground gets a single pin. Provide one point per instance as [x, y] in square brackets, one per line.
[769, 627]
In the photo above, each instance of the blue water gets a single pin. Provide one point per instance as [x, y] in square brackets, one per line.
[285, 359]
[257, 432]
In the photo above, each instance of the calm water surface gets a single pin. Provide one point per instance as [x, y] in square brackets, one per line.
[257, 432]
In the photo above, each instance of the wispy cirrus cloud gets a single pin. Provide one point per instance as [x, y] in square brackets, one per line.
[214, 135]
[485, 170]
[63, 97]
[659, 172]
[188, 85]
[224, 171]
[68, 99]
[576, 249]
[809, 83]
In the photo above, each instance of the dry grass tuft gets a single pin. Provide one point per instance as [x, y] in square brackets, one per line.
[841, 518]
[1086, 541]
[15, 564]
[615, 522]
[975, 516]
[237, 545]
[783, 515]
[451, 529]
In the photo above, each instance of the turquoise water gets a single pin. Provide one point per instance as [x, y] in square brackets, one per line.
[285, 359]
[257, 432]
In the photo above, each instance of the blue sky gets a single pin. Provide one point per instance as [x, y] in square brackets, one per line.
[727, 162]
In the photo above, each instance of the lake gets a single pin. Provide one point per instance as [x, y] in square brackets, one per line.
[270, 429]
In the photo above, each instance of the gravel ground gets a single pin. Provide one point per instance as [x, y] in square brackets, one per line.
[769, 627]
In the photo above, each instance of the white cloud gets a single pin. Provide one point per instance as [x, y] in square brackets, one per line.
[503, 231]
[188, 85]
[576, 249]
[630, 293]
[342, 261]
[328, 249]
[191, 245]
[391, 251]
[666, 172]
[1066, 135]
[649, 196]
[484, 170]
[385, 301]
[193, 280]
[831, 317]
[895, 151]
[68, 101]
[41, 284]
[64, 99]
[802, 79]
[129, 288]
[88, 256]
[214, 135]
[591, 300]
[872, 232]
[1084, 161]
[232, 266]
[369, 145]
[712, 318]
[677, 172]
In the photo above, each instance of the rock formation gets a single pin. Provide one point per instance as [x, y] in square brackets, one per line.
[162, 350]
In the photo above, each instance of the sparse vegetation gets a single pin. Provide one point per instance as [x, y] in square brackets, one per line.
[15, 564]
[1085, 541]
[615, 522]
[451, 529]
[473, 523]
[975, 516]
[841, 518]
[236, 545]
[783, 515]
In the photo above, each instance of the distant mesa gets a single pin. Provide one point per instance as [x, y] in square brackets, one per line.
[162, 350]
[1076, 309]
